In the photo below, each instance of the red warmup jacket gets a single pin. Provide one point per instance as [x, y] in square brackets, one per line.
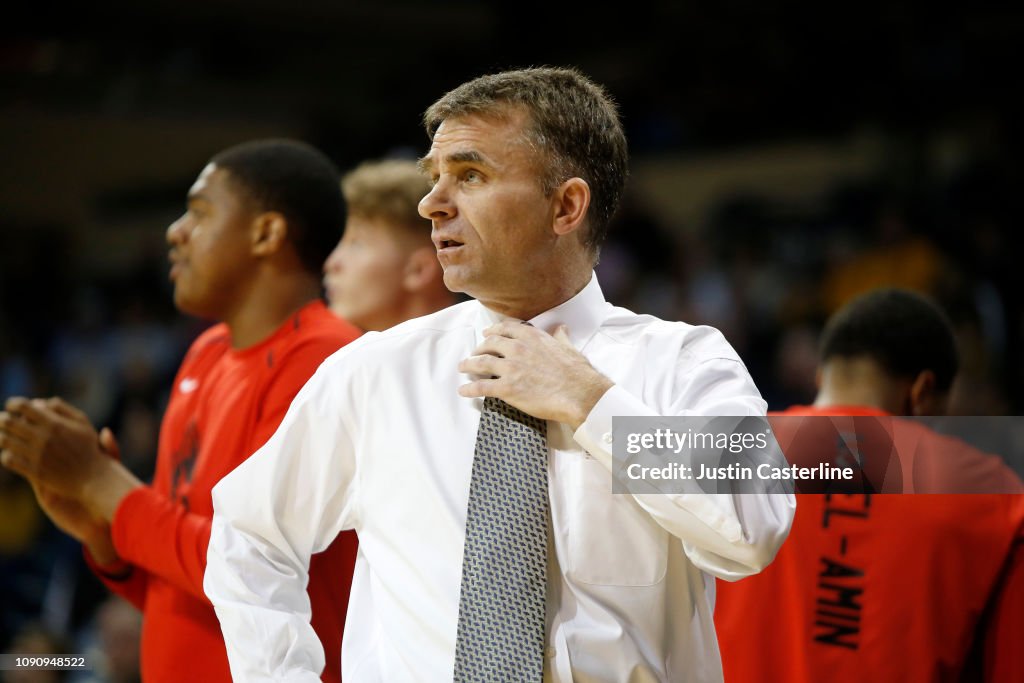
[224, 405]
[887, 587]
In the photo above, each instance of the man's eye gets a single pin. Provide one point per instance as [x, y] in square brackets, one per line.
[472, 177]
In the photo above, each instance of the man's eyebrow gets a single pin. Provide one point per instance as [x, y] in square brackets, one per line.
[196, 197]
[467, 157]
[426, 164]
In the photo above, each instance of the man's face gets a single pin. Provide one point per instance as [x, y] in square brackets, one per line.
[363, 275]
[492, 224]
[210, 246]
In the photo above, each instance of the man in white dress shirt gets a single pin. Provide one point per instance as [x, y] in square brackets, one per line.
[527, 168]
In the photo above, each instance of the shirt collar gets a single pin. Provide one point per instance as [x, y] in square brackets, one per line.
[583, 314]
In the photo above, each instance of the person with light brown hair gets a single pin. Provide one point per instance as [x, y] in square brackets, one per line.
[472, 453]
[384, 270]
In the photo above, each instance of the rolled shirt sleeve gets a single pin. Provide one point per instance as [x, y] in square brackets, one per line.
[727, 535]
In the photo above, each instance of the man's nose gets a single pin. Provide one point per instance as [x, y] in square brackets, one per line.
[333, 262]
[437, 204]
[177, 232]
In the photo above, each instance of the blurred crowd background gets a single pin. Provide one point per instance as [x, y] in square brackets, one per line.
[785, 157]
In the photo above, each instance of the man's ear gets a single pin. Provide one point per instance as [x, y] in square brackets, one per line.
[269, 232]
[924, 395]
[421, 268]
[571, 201]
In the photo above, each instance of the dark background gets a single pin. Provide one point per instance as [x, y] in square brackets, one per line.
[784, 157]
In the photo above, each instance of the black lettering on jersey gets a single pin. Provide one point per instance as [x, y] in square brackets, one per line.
[839, 569]
[857, 506]
[838, 635]
[842, 596]
[838, 610]
[184, 460]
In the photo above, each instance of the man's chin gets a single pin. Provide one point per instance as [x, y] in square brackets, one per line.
[456, 281]
[189, 306]
[347, 313]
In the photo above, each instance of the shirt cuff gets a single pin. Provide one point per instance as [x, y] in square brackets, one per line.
[133, 511]
[117, 572]
[595, 434]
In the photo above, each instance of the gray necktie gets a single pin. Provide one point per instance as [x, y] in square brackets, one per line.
[500, 635]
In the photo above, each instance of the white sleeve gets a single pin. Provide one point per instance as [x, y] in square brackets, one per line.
[286, 502]
[727, 535]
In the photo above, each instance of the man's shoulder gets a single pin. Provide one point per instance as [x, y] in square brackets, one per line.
[215, 339]
[695, 343]
[218, 333]
[412, 337]
[315, 325]
[317, 319]
[947, 462]
[456, 318]
[204, 353]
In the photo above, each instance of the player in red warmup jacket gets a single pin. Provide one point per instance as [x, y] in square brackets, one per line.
[886, 587]
[248, 252]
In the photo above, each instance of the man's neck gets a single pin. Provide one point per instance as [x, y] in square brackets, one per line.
[530, 304]
[860, 382]
[267, 307]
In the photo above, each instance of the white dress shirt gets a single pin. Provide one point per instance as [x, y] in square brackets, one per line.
[379, 441]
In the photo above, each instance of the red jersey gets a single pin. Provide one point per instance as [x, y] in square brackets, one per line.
[907, 588]
[224, 405]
